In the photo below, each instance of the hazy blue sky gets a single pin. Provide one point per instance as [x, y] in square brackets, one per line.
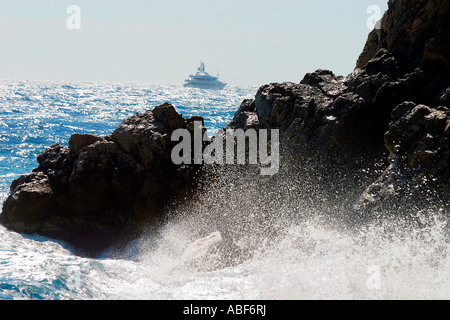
[252, 41]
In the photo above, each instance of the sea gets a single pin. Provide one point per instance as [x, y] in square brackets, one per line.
[305, 258]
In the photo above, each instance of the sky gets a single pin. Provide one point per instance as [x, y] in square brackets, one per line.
[251, 42]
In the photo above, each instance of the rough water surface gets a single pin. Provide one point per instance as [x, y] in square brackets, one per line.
[292, 250]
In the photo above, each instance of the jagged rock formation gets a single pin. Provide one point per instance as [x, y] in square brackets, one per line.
[321, 114]
[419, 173]
[100, 189]
[417, 34]
[393, 106]
[395, 103]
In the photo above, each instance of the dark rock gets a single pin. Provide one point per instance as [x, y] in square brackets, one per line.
[395, 102]
[413, 31]
[420, 134]
[147, 136]
[365, 85]
[444, 98]
[56, 163]
[309, 116]
[420, 151]
[31, 201]
[326, 81]
[191, 123]
[78, 141]
[401, 110]
[246, 116]
[383, 62]
[278, 104]
[417, 34]
[100, 191]
[246, 120]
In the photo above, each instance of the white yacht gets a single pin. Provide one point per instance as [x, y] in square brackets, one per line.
[203, 80]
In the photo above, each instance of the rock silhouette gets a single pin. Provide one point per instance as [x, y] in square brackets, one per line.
[100, 191]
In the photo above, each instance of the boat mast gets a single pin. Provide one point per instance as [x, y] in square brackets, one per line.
[202, 67]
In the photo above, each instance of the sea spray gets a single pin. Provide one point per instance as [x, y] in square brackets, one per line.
[296, 249]
[289, 236]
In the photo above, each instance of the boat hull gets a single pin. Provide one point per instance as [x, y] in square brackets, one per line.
[212, 86]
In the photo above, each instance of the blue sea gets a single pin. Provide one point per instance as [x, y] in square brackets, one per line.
[309, 260]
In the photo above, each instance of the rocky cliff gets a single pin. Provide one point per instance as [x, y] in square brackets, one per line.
[394, 106]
